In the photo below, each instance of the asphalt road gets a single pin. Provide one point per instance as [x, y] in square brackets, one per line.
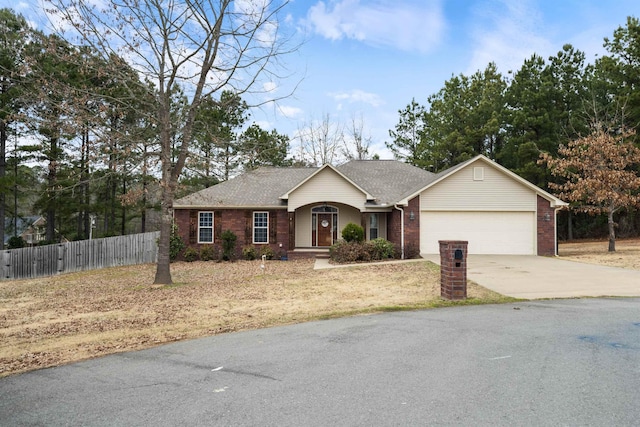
[560, 362]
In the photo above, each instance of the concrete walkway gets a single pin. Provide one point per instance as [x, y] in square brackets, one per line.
[533, 277]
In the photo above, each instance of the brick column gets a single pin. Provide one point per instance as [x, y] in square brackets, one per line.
[453, 269]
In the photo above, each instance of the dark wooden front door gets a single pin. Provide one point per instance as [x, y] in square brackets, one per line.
[325, 229]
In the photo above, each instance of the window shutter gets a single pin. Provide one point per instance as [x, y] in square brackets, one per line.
[217, 226]
[273, 226]
[193, 227]
[248, 215]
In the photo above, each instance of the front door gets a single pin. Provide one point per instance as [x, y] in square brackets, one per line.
[325, 229]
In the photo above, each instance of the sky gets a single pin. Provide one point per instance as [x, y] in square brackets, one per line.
[367, 59]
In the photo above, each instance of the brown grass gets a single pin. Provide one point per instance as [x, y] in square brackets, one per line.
[627, 254]
[56, 320]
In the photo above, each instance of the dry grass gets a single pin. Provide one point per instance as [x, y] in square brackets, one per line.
[56, 320]
[627, 254]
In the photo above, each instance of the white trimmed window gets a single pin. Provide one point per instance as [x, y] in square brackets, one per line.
[261, 227]
[205, 227]
[373, 226]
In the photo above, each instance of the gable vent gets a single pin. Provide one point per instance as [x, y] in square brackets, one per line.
[478, 174]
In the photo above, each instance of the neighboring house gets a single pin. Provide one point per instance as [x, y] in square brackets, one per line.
[31, 229]
[294, 210]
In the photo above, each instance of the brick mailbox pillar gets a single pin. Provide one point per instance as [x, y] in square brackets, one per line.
[453, 269]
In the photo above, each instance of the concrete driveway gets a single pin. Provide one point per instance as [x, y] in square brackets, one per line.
[532, 277]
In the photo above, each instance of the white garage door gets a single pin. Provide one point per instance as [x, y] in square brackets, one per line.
[487, 232]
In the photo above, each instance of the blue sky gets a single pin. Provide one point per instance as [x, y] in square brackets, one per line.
[369, 58]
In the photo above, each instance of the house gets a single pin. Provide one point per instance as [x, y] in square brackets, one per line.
[30, 228]
[301, 209]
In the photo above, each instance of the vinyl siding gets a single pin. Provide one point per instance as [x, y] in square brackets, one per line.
[326, 186]
[495, 192]
[346, 214]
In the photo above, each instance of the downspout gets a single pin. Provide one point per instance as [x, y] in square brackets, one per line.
[401, 229]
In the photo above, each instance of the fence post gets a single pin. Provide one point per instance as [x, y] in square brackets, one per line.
[60, 258]
[6, 264]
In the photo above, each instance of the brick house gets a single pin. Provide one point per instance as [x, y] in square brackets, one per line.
[301, 210]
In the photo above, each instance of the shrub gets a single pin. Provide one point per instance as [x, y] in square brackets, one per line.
[411, 251]
[191, 254]
[208, 253]
[228, 245]
[176, 244]
[249, 252]
[381, 249]
[345, 252]
[267, 251]
[353, 233]
[16, 242]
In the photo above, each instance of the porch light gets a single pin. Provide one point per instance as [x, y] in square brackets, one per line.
[547, 217]
[412, 216]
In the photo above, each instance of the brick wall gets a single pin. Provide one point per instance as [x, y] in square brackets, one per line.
[546, 229]
[240, 222]
[411, 227]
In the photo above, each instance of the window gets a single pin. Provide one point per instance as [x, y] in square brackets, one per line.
[205, 227]
[373, 226]
[261, 227]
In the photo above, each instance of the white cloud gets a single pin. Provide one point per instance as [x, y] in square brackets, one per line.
[358, 95]
[270, 87]
[290, 112]
[507, 33]
[399, 24]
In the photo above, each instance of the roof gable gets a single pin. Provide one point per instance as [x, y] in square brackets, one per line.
[555, 201]
[318, 172]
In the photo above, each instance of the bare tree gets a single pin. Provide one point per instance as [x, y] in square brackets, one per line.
[355, 143]
[200, 46]
[320, 141]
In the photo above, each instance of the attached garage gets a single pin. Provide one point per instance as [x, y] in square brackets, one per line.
[487, 232]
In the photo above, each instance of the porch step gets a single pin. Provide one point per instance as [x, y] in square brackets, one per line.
[306, 253]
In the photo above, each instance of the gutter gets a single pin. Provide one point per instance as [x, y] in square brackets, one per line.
[401, 229]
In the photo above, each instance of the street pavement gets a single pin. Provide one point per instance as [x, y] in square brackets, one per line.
[559, 362]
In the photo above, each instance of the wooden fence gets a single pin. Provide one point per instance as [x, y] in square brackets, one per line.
[40, 261]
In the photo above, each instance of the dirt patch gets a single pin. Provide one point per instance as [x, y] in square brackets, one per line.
[56, 320]
[627, 254]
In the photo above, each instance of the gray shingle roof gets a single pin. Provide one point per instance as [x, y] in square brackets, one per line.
[258, 188]
[389, 181]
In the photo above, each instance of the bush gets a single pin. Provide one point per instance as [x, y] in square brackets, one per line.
[208, 253]
[345, 252]
[381, 249]
[228, 245]
[267, 251]
[411, 251]
[191, 254]
[353, 233]
[176, 244]
[16, 242]
[249, 252]
[374, 250]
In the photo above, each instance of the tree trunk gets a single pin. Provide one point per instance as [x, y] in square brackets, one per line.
[163, 271]
[612, 233]
[3, 165]
[569, 225]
